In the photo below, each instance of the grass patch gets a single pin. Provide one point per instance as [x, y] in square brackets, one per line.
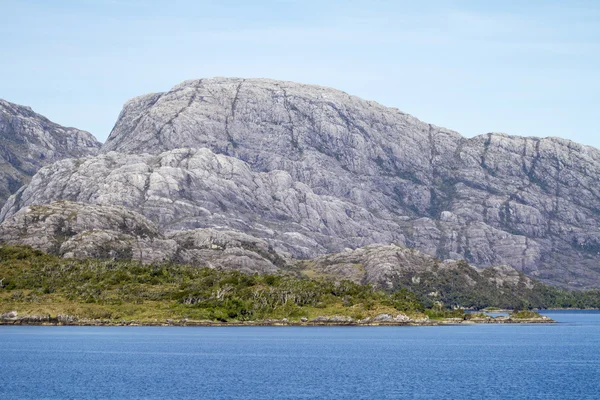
[525, 314]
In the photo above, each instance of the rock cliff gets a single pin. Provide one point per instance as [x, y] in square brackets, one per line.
[314, 170]
[29, 141]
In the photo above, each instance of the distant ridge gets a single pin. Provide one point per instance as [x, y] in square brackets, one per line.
[29, 141]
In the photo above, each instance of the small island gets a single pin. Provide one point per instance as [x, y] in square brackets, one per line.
[41, 289]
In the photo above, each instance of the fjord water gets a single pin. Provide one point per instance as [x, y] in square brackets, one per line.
[451, 362]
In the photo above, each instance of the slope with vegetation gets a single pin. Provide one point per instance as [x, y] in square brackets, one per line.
[35, 283]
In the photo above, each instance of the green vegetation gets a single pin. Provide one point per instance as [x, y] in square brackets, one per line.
[492, 309]
[525, 314]
[465, 287]
[41, 284]
[438, 313]
[35, 283]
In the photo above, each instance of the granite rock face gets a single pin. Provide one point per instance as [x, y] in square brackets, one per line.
[314, 170]
[111, 232]
[187, 189]
[230, 250]
[80, 230]
[29, 141]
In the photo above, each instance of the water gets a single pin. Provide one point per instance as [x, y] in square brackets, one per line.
[451, 362]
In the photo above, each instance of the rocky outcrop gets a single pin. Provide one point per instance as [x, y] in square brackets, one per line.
[29, 141]
[80, 230]
[9, 315]
[335, 319]
[12, 318]
[227, 250]
[392, 266]
[111, 232]
[313, 170]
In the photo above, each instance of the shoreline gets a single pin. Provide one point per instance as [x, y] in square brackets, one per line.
[48, 321]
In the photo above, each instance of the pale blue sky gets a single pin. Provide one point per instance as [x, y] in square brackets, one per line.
[523, 67]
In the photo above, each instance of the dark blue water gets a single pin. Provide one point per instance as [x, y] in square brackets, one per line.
[559, 361]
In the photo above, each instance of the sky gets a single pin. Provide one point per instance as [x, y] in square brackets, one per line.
[529, 68]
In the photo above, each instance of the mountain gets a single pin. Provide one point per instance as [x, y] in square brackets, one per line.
[29, 141]
[88, 231]
[313, 170]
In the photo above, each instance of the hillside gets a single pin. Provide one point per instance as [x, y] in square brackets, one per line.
[41, 289]
[93, 237]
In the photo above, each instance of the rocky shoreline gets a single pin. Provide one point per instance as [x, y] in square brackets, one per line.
[12, 318]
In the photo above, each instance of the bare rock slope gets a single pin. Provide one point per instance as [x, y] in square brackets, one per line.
[29, 141]
[315, 170]
[111, 232]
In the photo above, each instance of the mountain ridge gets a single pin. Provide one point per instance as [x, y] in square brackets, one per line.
[155, 95]
[532, 203]
[29, 141]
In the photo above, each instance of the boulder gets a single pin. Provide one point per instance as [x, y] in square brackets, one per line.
[9, 315]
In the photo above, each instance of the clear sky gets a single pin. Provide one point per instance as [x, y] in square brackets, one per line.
[523, 67]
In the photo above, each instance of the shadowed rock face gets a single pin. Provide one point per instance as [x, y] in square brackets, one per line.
[315, 170]
[29, 141]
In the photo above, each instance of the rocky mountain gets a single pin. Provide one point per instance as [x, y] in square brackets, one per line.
[80, 230]
[188, 188]
[313, 170]
[29, 141]
[93, 231]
